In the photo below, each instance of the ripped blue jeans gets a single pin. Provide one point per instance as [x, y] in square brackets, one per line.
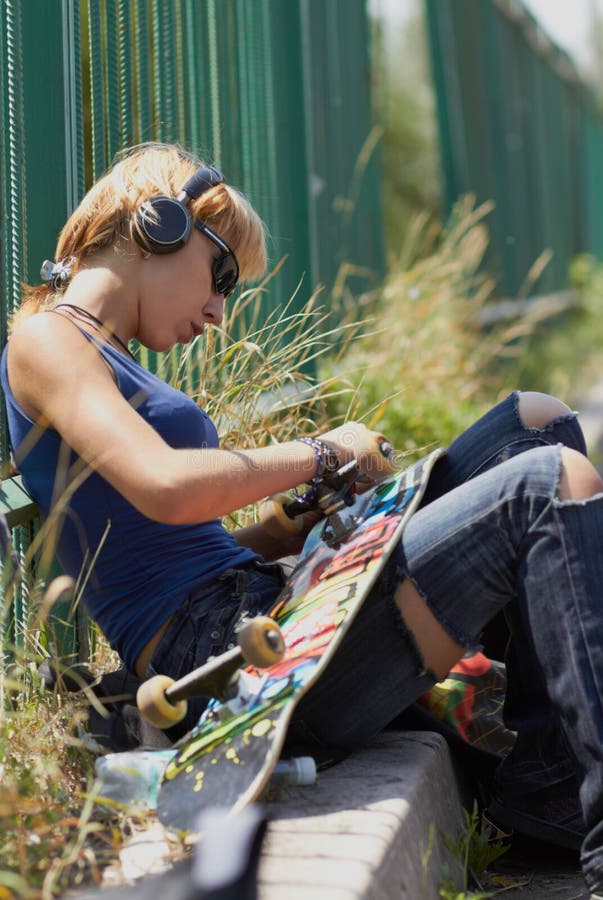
[491, 534]
[451, 549]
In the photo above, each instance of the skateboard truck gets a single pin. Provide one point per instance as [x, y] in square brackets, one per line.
[333, 492]
[337, 491]
[281, 514]
[239, 689]
[162, 701]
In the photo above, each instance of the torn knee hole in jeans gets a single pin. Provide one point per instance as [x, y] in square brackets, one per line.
[553, 423]
[530, 405]
[413, 647]
[468, 644]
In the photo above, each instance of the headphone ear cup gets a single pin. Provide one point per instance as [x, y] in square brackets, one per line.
[163, 225]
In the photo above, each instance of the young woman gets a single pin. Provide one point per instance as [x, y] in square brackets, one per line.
[131, 473]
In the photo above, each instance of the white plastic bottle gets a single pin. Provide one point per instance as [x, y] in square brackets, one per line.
[297, 771]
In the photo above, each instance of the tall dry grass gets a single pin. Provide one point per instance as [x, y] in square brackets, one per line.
[428, 368]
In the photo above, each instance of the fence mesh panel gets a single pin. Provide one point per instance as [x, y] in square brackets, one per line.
[517, 126]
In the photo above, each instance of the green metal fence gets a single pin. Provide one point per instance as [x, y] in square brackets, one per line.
[275, 92]
[517, 125]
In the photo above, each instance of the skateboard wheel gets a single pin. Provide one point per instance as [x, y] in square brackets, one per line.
[275, 520]
[378, 456]
[155, 707]
[261, 642]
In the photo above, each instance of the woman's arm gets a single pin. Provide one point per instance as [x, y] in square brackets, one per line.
[61, 381]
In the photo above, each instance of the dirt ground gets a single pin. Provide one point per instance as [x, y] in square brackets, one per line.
[534, 871]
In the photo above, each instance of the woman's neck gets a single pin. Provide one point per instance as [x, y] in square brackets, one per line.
[103, 295]
[87, 318]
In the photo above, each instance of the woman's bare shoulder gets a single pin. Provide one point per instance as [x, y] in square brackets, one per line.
[45, 337]
[47, 354]
[41, 327]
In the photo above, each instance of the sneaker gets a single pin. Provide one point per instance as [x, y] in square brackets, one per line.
[551, 814]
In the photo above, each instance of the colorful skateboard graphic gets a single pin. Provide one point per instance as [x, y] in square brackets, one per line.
[228, 758]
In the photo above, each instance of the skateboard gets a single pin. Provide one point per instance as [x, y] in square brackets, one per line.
[228, 758]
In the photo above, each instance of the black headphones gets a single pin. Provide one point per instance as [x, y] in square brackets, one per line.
[163, 223]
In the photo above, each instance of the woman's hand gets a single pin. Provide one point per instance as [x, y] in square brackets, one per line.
[371, 450]
[274, 542]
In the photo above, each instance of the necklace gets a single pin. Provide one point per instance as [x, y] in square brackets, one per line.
[100, 325]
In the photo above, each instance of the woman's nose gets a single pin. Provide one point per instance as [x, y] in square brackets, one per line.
[214, 308]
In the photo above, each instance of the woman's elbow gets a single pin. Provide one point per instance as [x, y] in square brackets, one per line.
[170, 503]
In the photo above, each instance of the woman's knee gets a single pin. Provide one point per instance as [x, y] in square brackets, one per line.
[536, 410]
[579, 478]
[438, 649]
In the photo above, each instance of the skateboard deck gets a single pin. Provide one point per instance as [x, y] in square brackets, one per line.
[228, 758]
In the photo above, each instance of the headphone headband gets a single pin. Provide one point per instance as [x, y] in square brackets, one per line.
[204, 179]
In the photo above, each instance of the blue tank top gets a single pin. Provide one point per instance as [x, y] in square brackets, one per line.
[136, 571]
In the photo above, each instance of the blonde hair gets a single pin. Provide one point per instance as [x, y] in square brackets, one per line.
[106, 215]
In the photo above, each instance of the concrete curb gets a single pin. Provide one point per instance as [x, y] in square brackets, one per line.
[365, 828]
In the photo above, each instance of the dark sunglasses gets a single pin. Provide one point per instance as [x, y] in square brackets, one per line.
[225, 268]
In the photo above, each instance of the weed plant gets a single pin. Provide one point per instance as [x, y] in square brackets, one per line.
[261, 388]
[474, 851]
[43, 778]
[428, 368]
[419, 367]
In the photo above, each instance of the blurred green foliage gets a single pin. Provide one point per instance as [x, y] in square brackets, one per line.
[405, 108]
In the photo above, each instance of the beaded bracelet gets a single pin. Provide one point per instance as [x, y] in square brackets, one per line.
[326, 458]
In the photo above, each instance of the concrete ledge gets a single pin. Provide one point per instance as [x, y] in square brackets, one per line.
[364, 829]
[371, 827]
